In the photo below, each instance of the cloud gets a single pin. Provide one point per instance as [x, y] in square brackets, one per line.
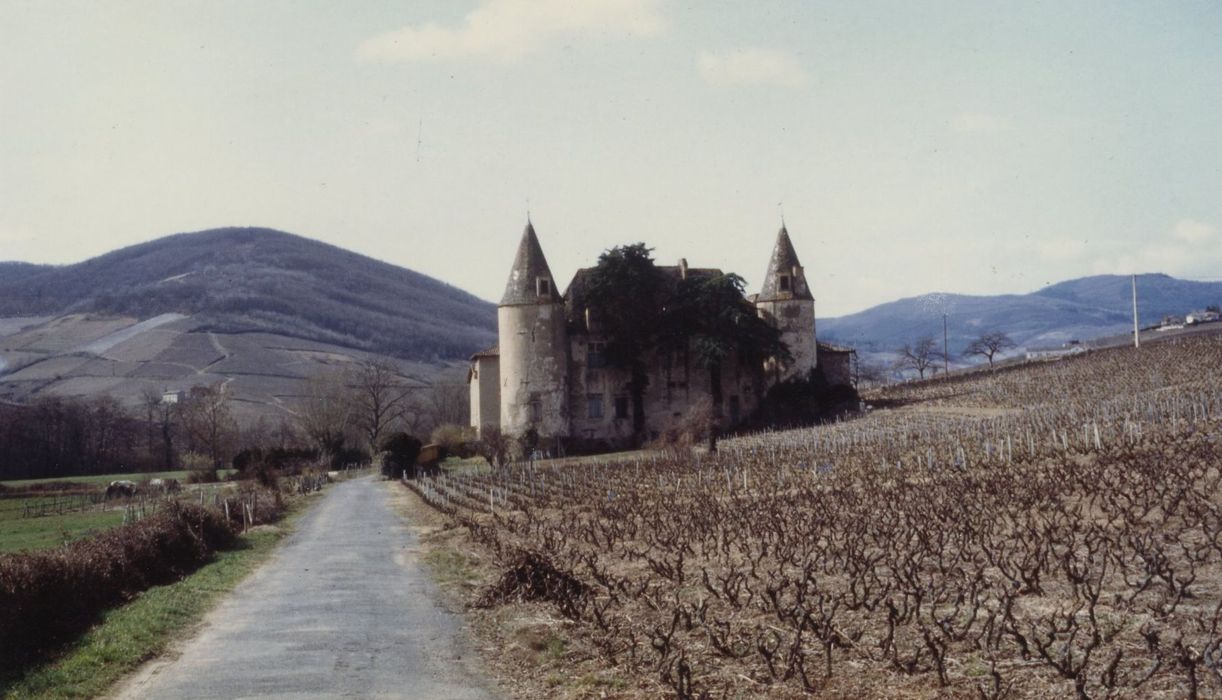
[1191, 231]
[1188, 249]
[750, 66]
[506, 30]
[980, 123]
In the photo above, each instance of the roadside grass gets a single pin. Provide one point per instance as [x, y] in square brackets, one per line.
[451, 568]
[18, 533]
[105, 479]
[127, 636]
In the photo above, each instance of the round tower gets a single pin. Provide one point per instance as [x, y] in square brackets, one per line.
[786, 301]
[533, 343]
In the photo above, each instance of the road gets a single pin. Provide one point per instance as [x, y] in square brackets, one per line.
[343, 609]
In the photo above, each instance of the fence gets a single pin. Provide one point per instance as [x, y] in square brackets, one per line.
[62, 504]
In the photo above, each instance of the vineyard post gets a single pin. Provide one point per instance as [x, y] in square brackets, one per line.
[945, 348]
[1136, 330]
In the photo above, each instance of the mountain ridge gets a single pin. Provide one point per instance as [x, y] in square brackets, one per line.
[1077, 309]
[252, 279]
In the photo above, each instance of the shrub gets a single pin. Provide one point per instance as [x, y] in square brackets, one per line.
[456, 439]
[527, 442]
[200, 469]
[48, 597]
[247, 458]
[265, 506]
[401, 451]
[349, 456]
[494, 446]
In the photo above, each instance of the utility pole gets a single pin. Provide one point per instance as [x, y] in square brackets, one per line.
[945, 348]
[1136, 329]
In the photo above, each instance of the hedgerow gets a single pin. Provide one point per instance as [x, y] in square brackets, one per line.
[48, 597]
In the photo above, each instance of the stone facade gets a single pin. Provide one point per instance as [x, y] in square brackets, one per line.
[838, 364]
[484, 378]
[549, 373]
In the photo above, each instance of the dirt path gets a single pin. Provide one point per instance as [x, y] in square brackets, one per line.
[344, 609]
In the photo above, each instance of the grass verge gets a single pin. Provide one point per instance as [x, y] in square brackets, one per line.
[129, 635]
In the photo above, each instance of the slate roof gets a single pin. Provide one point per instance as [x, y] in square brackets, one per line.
[784, 259]
[494, 351]
[833, 348]
[528, 265]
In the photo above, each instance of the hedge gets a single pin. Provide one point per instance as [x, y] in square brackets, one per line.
[48, 597]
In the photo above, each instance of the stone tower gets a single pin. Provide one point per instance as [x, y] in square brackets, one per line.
[786, 301]
[533, 340]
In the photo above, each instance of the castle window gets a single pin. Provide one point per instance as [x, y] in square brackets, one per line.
[543, 287]
[594, 405]
[536, 412]
[785, 283]
[596, 355]
[621, 407]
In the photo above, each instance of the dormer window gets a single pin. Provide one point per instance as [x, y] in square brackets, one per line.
[543, 287]
[785, 283]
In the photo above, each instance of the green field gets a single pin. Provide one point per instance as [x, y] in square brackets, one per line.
[18, 533]
[104, 479]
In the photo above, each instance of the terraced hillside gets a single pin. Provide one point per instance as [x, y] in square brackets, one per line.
[254, 309]
[90, 355]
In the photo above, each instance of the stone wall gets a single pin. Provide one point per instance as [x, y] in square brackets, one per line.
[837, 367]
[602, 405]
[485, 380]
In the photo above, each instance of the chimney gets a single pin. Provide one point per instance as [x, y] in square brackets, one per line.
[683, 268]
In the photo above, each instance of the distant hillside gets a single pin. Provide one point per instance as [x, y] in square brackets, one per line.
[239, 280]
[1078, 309]
[15, 271]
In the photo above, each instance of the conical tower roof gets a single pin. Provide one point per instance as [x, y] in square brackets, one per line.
[528, 266]
[784, 261]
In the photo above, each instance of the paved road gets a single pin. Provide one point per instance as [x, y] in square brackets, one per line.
[343, 609]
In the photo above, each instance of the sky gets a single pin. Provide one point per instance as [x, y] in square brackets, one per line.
[971, 147]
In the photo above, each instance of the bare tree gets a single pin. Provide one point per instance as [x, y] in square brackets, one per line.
[448, 403]
[325, 413]
[872, 373]
[445, 402]
[923, 355]
[150, 399]
[989, 345]
[379, 399]
[160, 415]
[210, 425]
[495, 446]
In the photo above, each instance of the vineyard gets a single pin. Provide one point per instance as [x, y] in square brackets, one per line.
[1049, 531]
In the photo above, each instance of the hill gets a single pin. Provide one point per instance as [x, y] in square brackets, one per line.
[256, 310]
[238, 280]
[1080, 309]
